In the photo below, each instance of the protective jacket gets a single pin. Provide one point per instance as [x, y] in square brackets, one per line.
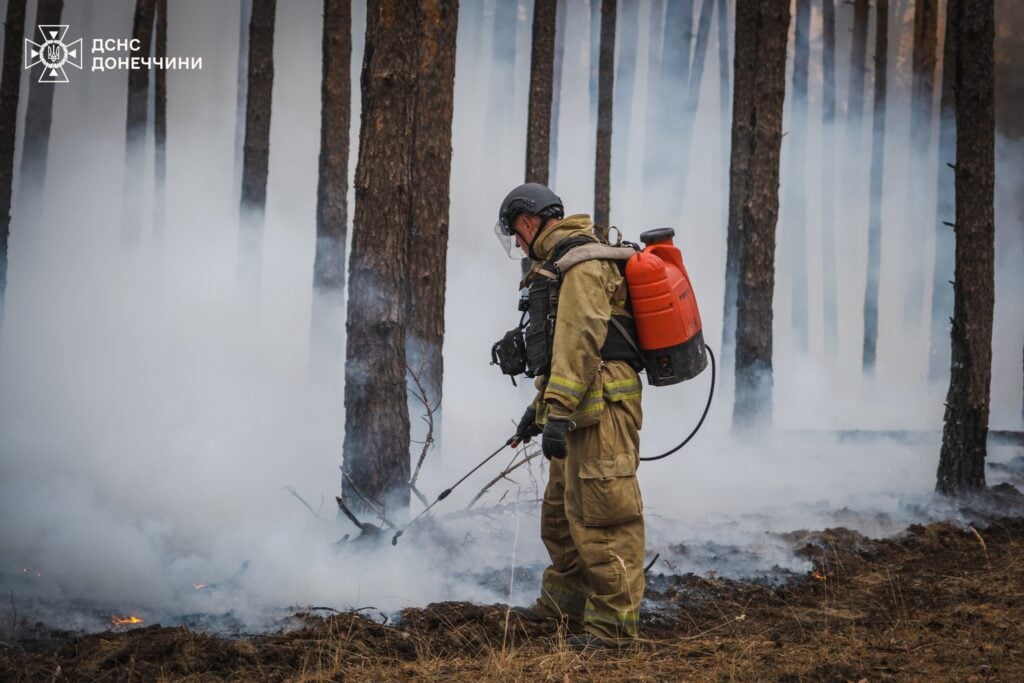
[580, 380]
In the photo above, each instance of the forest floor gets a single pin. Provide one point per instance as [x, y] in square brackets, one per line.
[936, 603]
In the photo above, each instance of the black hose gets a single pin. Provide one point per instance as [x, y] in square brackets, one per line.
[707, 407]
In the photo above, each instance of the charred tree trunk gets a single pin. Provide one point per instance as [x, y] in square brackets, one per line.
[926, 13]
[664, 124]
[35, 143]
[945, 211]
[428, 220]
[256, 152]
[796, 194]
[762, 28]
[135, 127]
[877, 176]
[603, 163]
[10, 86]
[723, 99]
[241, 94]
[542, 62]
[376, 448]
[332, 183]
[962, 458]
[830, 299]
[693, 85]
[556, 88]
[627, 30]
[160, 125]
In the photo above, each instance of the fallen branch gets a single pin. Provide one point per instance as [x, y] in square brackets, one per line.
[503, 475]
[302, 500]
[377, 508]
[348, 513]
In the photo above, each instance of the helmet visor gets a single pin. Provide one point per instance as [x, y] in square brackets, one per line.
[507, 238]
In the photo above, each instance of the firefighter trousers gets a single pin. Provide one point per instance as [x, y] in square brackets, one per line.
[592, 525]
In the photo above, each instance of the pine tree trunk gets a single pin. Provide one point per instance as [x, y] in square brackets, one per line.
[796, 167]
[830, 299]
[724, 100]
[556, 88]
[627, 30]
[762, 29]
[10, 86]
[689, 116]
[538, 122]
[664, 120]
[376, 447]
[964, 435]
[160, 125]
[595, 58]
[332, 183]
[606, 80]
[854, 196]
[877, 178]
[241, 94]
[431, 172]
[256, 152]
[945, 212]
[135, 128]
[35, 144]
[926, 14]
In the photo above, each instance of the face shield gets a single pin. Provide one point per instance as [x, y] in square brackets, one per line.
[507, 237]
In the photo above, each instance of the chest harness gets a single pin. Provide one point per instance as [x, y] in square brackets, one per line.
[527, 349]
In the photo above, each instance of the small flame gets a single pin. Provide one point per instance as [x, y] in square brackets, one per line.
[124, 621]
[200, 586]
[819, 575]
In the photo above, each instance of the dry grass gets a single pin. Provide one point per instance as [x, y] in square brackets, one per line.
[936, 604]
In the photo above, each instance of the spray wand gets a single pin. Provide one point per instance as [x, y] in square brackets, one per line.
[513, 442]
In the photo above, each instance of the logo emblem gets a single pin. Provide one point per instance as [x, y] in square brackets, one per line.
[53, 53]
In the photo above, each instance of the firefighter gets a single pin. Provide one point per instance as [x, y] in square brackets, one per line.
[588, 416]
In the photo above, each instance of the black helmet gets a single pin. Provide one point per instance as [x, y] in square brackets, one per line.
[530, 198]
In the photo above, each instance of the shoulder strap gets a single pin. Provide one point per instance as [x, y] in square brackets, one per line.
[592, 251]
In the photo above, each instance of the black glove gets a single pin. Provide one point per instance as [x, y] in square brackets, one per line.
[527, 427]
[553, 441]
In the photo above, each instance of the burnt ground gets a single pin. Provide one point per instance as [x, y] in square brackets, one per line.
[935, 603]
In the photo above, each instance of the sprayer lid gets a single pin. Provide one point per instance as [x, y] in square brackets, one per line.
[657, 235]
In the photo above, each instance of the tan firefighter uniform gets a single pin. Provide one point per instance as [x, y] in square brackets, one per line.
[592, 515]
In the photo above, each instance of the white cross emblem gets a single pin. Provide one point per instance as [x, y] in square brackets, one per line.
[53, 53]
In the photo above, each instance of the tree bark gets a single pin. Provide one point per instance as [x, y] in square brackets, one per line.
[556, 88]
[135, 128]
[160, 125]
[926, 14]
[538, 122]
[10, 86]
[332, 182]
[796, 194]
[627, 30]
[35, 144]
[877, 177]
[241, 94]
[962, 457]
[376, 447]
[689, 116]
[945, 212]
[431, 173]
[256, 151]
[603, 163]
[830, 299]
[762, 28]
[724, 113]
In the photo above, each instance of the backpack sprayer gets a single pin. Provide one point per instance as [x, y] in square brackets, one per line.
[669, 344]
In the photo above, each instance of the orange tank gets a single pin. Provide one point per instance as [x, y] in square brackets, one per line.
[665, 310]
